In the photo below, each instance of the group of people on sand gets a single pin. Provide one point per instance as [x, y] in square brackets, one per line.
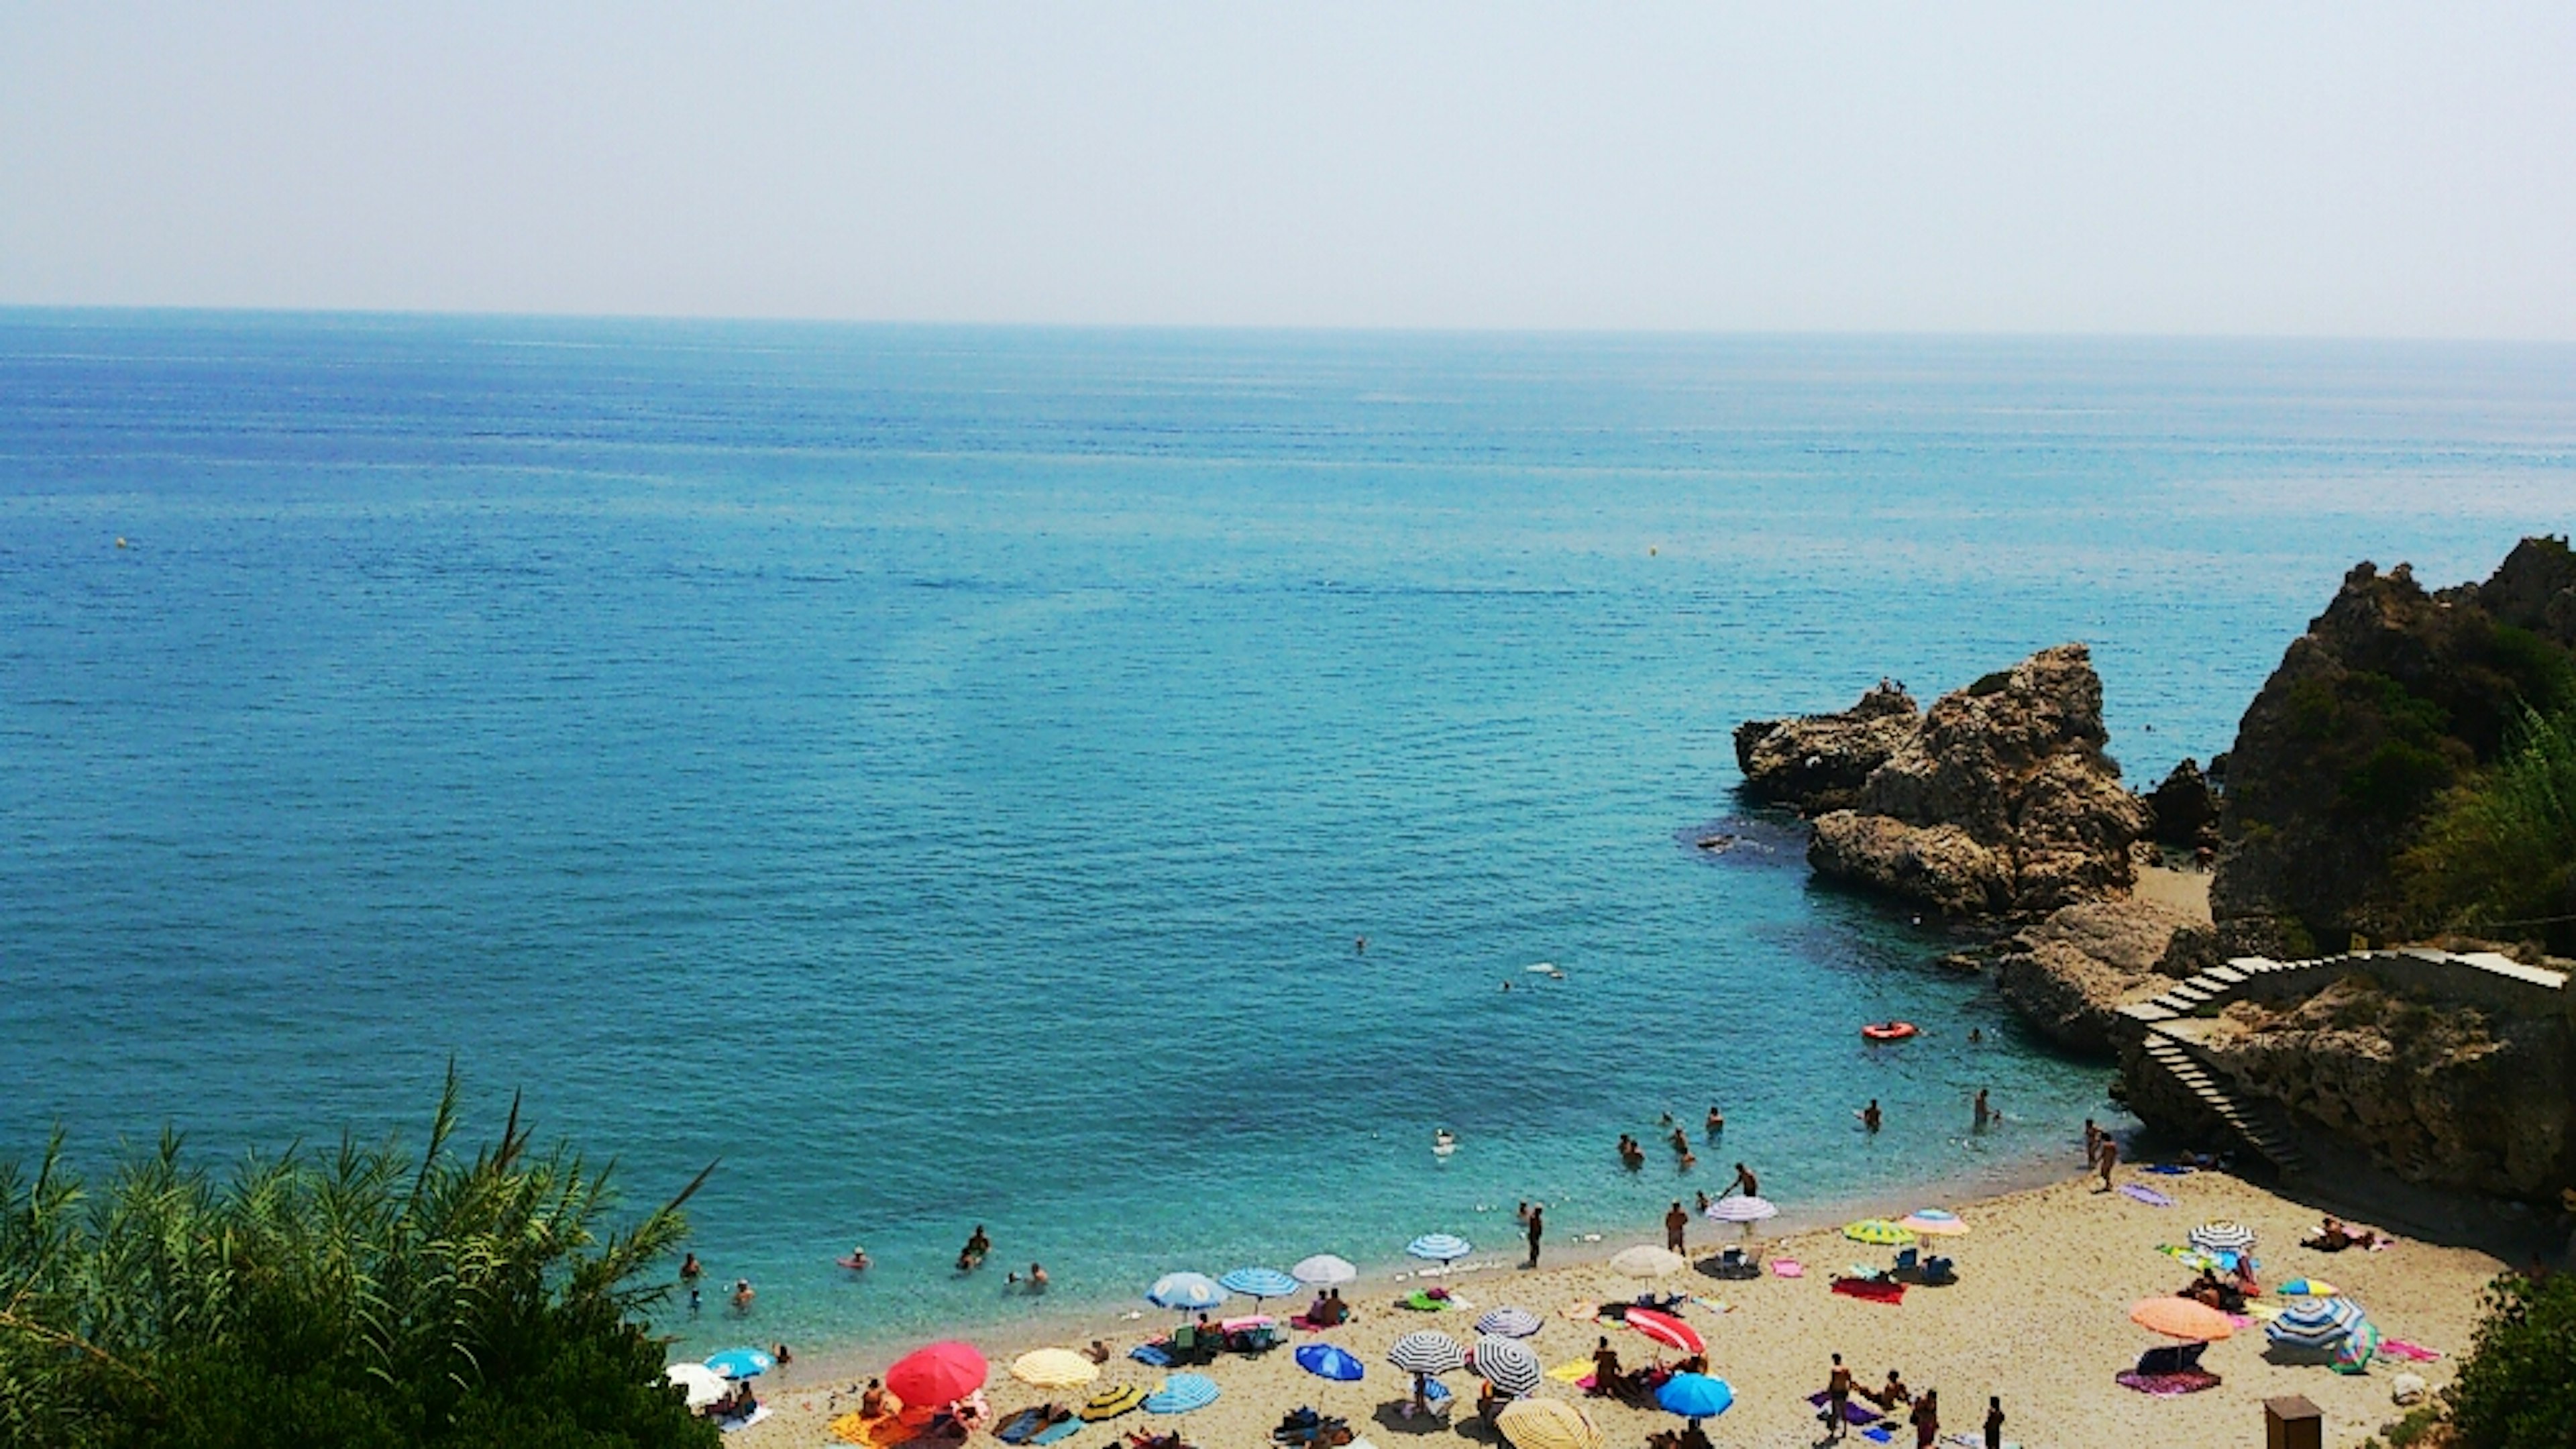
[1895, 1398]
[1328, 1310]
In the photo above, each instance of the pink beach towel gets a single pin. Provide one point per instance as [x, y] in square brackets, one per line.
[1788, 1268]
[2414, 1352]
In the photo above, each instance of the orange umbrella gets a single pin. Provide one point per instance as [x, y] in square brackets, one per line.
[2181, 1318]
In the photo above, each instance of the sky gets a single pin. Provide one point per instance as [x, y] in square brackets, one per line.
[2342, 169]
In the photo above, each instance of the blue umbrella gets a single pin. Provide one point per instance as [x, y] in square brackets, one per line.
[1695, 1396]
[1186, 1292]
[742, 1363]
[2315, 1325]
[1439, 1247]
[1258, 1283]
[1181, 1393]
[1325, 1361]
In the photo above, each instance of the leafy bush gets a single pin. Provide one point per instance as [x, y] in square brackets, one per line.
[363, 1297]
[2517, 1389]
[2501, 850]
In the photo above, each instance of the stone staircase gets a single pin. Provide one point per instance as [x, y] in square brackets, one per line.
[2263, 1125]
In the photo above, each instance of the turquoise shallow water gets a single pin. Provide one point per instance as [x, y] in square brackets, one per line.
[941, 773]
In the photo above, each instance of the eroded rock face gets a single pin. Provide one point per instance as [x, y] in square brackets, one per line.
[2453, 1097]
[2002, 799]
[2183, 810]
[1818, 762]
[2069, 974]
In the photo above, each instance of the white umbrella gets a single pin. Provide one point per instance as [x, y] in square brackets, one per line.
[1324, 1271]
[702, 1384]
[1648, 1261]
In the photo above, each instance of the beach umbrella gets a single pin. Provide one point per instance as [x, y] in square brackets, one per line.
[1111, 1402]
[1258, 1283]
[702, 1384]
[1747, 1209]
[1325, 1361]
[1695, 1396]
[2357, 1349]
[1933, 1222]
[1511, 1365]
[1054, 1368]
[1186, 1292]
[2181, 1318]
[1427, 1351]
[1441, 1248]
[1647, 1261]
[2314, 1324]
[1509, 1323]
[741, 1363]
[1879, 1231]
[2223, 1237]
[1665, 1329]
[940, 1374]
[2308, 1288]
[1324, 1271]
[1548, 1424]
[1181, 1393]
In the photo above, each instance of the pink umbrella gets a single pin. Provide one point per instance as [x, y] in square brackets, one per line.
[943, 1373]
[1665, 1329]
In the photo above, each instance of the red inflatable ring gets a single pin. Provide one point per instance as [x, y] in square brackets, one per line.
[1888, 1031]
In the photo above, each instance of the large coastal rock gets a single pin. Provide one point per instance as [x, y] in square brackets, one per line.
[2002, 800]
[2183, 811]
[1818, 762]
[2454, 1097]
[2392, 696]
[2068, 975]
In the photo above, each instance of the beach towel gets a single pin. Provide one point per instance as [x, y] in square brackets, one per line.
[743, 1421]
[1016, 1429]
[1879, 1435]
[1421, 1302]
[2145, 1194]
[1572, 1371]
[1059, 1431]
[878, 1432]
[1870, 1289]
[2167, 1169]
[1788, 1268]
[2165, 1386]
[1854, 1411]
[1149, 1353]
[2412, 1352]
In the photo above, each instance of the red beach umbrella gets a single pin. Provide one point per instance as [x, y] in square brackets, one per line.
[1665, 1329]
[943, 1373]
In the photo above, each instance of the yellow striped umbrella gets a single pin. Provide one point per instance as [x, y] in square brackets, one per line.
[1548, 1424]
[1054, 1368]
[1111, 1402]
[1879, 1231]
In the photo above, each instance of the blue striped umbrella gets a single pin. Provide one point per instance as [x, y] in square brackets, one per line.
[1510, 1365]
[2314, 1325]
[1325, 1361]
[1442, 1248]
[1258, 1283]
[1186, 1292]
[1181, 1393]
[741, 1363]
[1509, 1323]
[1695, 1396]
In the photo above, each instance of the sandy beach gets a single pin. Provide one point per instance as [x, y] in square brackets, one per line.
[2040, 1317]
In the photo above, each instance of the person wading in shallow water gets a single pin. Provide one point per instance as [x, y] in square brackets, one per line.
[1537, 1228]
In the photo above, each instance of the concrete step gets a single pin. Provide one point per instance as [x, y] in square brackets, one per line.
[2224, 975]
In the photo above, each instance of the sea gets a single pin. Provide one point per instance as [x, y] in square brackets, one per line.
[945, 776]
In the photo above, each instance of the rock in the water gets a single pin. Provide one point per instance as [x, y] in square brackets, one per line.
[2002, 799]
[1818, 762]
[2184, 810]
[2069, 974]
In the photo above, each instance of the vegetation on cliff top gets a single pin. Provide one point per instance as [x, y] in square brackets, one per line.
[364, 1297]
[2498, 856]
[2517, 1389]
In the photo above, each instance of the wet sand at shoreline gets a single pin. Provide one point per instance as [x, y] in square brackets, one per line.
[2040, 1317]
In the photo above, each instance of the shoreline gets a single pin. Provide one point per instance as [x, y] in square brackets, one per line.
[2039, 1318]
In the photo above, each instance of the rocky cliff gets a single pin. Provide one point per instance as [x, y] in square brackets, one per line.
[2457, 1097]
[1998, 798]
[2068, 974]
[2392, 696]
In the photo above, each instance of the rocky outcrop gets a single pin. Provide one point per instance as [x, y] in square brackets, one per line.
[2392, 696]
[2002, 800]
[2183, 811]
[2456, 1097]
[2068, 975]
[1819, 762]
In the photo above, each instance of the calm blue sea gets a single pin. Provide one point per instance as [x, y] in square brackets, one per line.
[940, 774]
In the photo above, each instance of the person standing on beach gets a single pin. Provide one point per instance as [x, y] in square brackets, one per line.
[2109, 1158]
[2092, 1142]
[1838, 1390]
[1927, 1419]
[1674, 1222]
[1994, 1421]
[1537, 1227]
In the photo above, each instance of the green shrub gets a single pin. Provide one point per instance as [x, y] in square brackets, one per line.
[364, 1297]
[2501, 849]
[2517, 1389]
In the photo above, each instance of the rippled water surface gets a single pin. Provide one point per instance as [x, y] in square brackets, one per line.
[942, 774]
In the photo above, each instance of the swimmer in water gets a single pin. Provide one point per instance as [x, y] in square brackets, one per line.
[1985, 1113]
[1716, 1120]
[1868, 1115]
